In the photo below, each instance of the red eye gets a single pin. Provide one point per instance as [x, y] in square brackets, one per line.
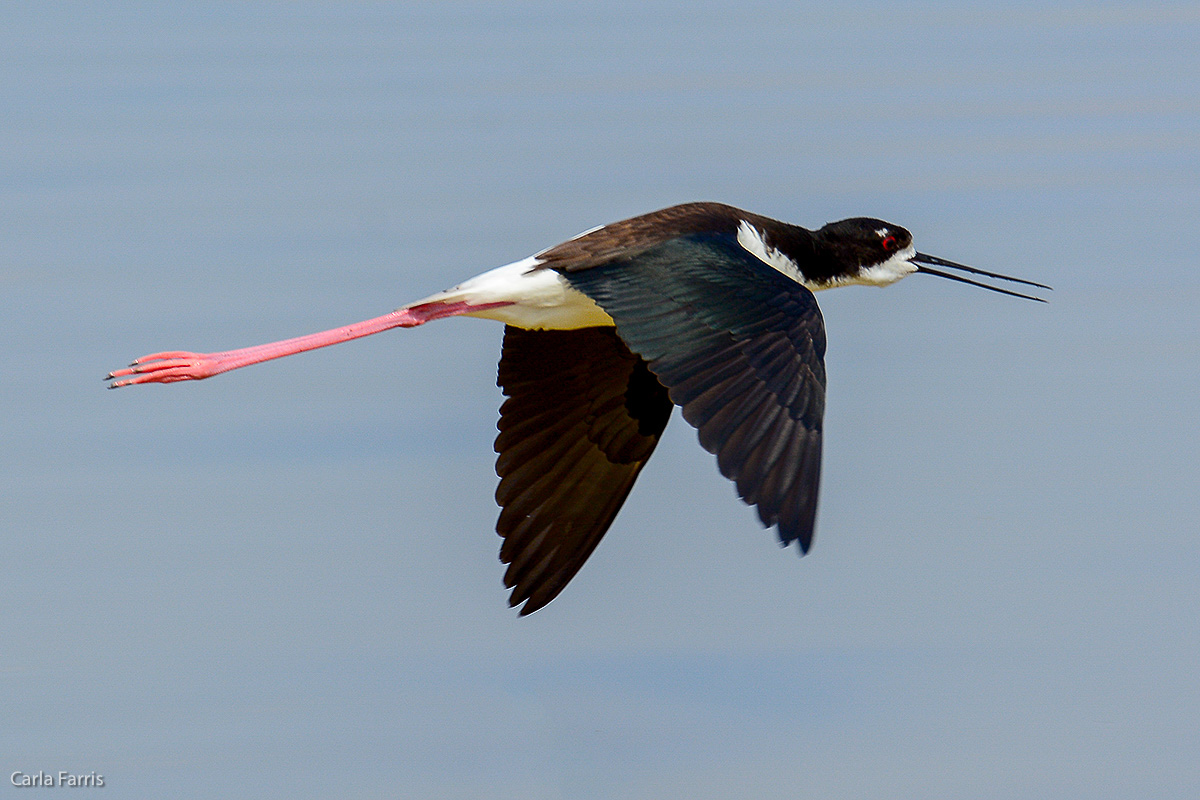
[889, 243]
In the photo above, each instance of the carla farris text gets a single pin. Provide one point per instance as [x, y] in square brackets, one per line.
[62, 778]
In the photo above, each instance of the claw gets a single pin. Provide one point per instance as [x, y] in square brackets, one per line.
[166, 367]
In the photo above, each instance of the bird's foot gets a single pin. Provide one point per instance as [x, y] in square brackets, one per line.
[166, 367]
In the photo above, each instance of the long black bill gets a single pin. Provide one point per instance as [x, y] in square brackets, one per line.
[921, 258]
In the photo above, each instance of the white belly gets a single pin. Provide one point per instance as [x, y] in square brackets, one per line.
[540, 298]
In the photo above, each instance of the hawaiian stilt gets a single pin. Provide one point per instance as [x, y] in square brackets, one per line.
[701, 306]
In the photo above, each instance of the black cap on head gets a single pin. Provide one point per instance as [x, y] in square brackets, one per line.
[862, 242]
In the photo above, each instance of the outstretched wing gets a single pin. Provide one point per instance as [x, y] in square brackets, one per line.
[583, 415]
[740, 346]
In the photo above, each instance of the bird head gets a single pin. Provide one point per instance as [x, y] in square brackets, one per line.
[872, 252]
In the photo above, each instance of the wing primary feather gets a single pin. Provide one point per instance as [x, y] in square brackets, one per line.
[583, 415]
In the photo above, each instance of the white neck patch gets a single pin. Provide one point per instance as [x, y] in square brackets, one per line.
[754, 242]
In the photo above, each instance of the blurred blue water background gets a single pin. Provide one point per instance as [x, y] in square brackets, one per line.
[283, 582]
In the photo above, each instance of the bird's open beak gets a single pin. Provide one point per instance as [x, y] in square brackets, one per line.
[921, 258]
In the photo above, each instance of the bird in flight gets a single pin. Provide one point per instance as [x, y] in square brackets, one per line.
[702, 306]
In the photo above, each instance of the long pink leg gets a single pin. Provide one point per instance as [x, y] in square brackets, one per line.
[179, 365]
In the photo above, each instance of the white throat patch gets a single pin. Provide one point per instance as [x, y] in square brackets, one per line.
[890, 271]
[884, 274]
[754, 242]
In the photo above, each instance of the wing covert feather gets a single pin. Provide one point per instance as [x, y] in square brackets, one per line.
[740, 347]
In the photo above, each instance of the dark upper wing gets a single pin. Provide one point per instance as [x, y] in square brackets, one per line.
[740, 347]
[583, 415]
